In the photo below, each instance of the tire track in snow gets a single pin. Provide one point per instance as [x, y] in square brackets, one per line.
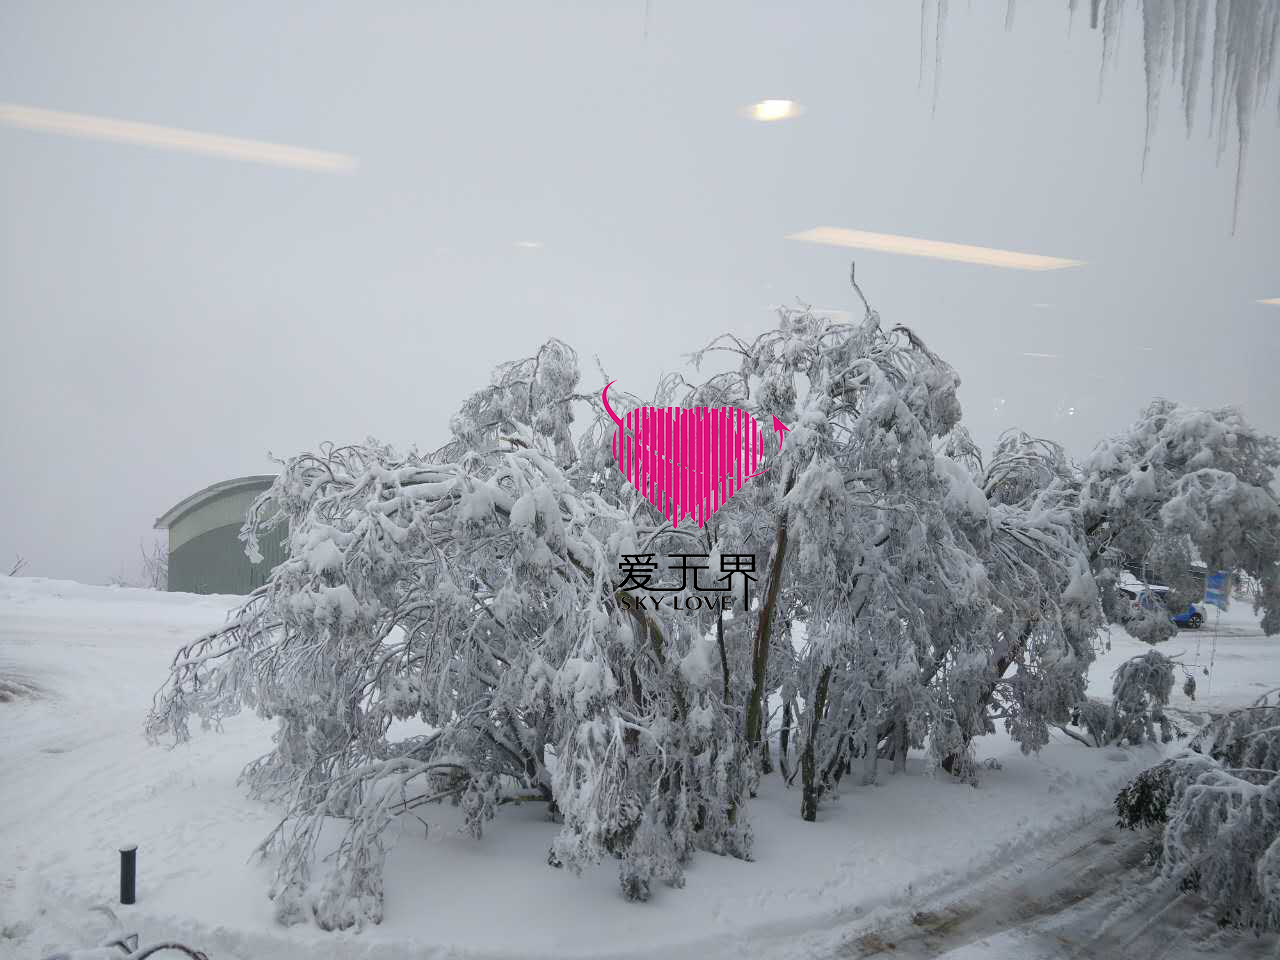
[1089, 895]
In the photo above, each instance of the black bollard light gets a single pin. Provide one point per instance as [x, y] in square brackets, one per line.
[128, 873]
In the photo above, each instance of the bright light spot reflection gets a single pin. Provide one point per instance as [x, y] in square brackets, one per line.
[767, 111]
[938, 249]
[174, 138]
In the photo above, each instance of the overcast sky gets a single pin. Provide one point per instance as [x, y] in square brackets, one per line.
[168, 318]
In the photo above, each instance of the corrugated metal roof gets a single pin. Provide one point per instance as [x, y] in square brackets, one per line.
[176, 512]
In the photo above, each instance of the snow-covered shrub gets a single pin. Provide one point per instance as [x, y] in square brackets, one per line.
[474, 591]
[1094, 717]
[1220, 806]
[1139, 694]
[1150, 625]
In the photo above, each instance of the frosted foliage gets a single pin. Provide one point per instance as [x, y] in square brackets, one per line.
[1150, 625]
[1173, 560]
[473, 595]
[914, 570]
[451, 627]
[885, 590]
[1043, 606]
[1182, 478]
[1139, 694]
[1220, 803]
[535, 392]
[1179, 481]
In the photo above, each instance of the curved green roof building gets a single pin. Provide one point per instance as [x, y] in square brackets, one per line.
[205, 552]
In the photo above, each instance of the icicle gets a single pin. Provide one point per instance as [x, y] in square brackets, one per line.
[1179, 9]
[1112, 17]
[1246, 41]
[1174, 33]
[924, 13]
[940, 25]
[1270, 38]
[937, 51]
[1155, 44]
[1192, 59]
[1217, 81]
[1245, 32]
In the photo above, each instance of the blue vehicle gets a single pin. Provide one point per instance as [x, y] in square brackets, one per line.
[1150, 597]
[1191, 618]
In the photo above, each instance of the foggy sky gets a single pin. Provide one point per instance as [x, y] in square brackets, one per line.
[168, 319]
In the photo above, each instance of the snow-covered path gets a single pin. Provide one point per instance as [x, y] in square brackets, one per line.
[1088, 894]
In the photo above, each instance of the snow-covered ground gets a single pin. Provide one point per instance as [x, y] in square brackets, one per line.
[77, 781]
[1085, 895]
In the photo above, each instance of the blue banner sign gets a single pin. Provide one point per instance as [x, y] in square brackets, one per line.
[1217, 589]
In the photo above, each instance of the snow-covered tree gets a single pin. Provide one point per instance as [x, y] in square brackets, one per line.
[853, 522]
[1202, 479]
[1021, 517]
[155, 564]
[887, 589]
[1139, 693]
[908, 592]
[474, 591]
[1179, 479]
[1219, 805]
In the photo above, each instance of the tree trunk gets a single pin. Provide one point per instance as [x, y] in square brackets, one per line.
[764, 633]
[808, 762]
[999, 667]
[901, 743]
[724, 656]
[870, 754]
[784, 738]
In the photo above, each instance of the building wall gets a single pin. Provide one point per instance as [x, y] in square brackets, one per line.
[228, 508]
[214, 561]
[205, 551]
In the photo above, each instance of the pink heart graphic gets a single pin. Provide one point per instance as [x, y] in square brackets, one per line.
[687, 462]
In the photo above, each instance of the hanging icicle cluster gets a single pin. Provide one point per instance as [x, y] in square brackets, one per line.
[1176, 36]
